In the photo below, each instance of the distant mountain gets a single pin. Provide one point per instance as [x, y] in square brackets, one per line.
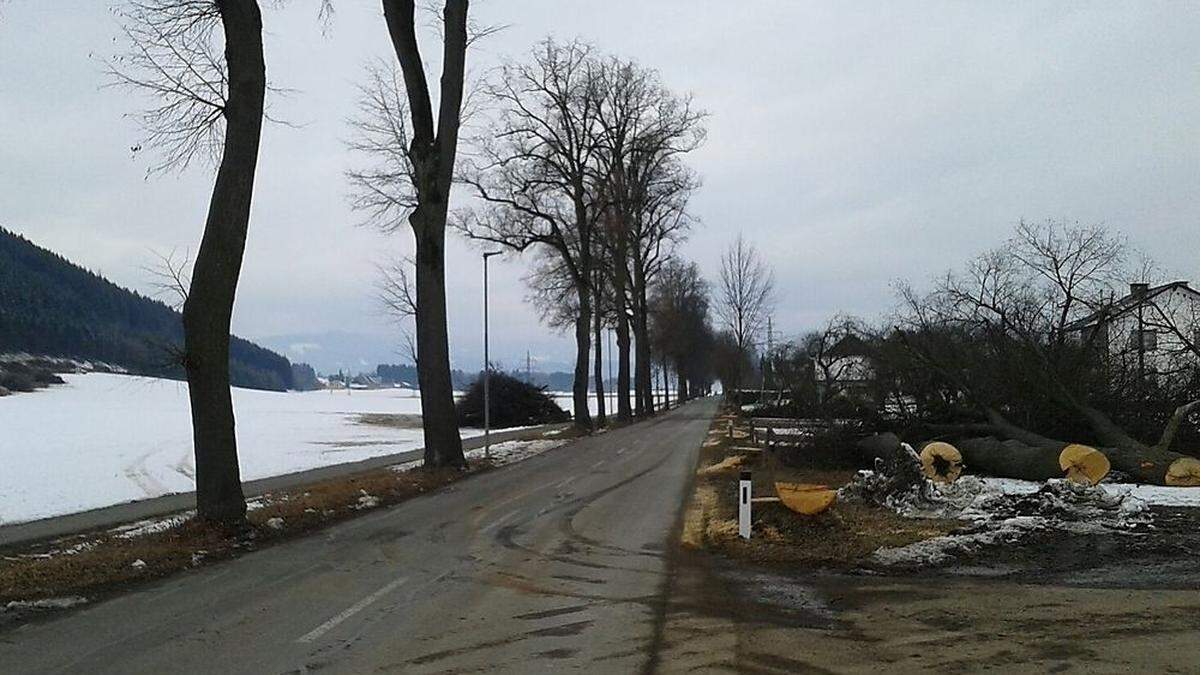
[51, 306]
[329, 352]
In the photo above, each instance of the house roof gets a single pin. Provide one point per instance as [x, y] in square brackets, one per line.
[850, 345]
[1129, 303]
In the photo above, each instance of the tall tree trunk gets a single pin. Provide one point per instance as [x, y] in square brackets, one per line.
[208, 310]
[624, 412]
[579, 388]
[620, 282]
[666, 371]
[432, 152]
[598, 372]
[443, 445]
[643, 364]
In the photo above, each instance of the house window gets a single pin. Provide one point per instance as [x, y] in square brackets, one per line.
[1149, 339]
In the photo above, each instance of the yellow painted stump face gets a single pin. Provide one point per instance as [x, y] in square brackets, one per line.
[1184, 472]
[1083, 464]
[806, 498]
[941, 462]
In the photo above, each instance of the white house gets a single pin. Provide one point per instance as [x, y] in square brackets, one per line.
[1156, 328]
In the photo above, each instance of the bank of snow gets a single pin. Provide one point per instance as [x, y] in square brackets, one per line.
[103, 439]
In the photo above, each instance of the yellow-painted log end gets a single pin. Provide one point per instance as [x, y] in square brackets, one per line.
[941, 462]
[1083, 464]
[1184, 472]
[806, 498]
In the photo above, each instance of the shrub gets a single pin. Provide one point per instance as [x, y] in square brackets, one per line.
[513, 404]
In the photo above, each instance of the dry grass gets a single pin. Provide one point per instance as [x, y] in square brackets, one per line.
[842, 537]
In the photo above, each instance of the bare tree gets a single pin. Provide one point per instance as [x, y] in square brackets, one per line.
[645, 129]
[209, 106]
[535, 170]
[411, 171]
[745, 297]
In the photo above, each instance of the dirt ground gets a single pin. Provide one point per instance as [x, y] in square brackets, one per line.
[803, 597]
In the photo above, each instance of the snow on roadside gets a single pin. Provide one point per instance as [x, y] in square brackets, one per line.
[510, 452]
[507, 452]
[44, 604]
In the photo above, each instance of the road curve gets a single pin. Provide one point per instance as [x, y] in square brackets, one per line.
[553, 564]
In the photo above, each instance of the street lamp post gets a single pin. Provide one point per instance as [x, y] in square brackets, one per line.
[487, 364]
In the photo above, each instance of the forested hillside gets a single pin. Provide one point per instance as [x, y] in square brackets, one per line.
[50, 306]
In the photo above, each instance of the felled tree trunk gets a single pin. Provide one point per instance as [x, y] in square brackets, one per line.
[1014, 459]
[1010, 459]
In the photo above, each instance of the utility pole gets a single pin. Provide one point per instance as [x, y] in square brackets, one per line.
[765, 361]
[528, 368]
[487, 364]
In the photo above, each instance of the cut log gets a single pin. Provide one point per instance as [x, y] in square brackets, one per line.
[1184, 472]
[1153, 466]
[1083, 464]
[879, 446]
[1010, 459]
[806, 498]
[941, 462]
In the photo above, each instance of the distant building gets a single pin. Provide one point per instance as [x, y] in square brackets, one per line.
[1155, 328]
[849, 364]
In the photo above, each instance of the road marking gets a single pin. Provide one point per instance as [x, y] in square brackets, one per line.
[351, 611]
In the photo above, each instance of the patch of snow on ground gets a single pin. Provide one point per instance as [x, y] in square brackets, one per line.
[1153, 495]
[1004, 517]
[939, 550]
[510, 452]
[151, 525]
[44, 604]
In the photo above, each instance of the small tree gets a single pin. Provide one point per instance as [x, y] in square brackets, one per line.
[512, 402]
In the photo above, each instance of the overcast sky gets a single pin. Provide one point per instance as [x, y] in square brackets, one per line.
[853, 143]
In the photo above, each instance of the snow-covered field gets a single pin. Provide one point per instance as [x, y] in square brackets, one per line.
[104, 439]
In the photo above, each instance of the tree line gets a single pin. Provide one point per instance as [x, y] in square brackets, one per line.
[578, 156]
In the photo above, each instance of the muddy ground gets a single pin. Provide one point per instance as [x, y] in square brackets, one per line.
[805, 597]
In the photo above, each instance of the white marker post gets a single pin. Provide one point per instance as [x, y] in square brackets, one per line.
[744, 505]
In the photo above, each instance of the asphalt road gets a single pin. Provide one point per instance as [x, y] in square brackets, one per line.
[553, 564]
